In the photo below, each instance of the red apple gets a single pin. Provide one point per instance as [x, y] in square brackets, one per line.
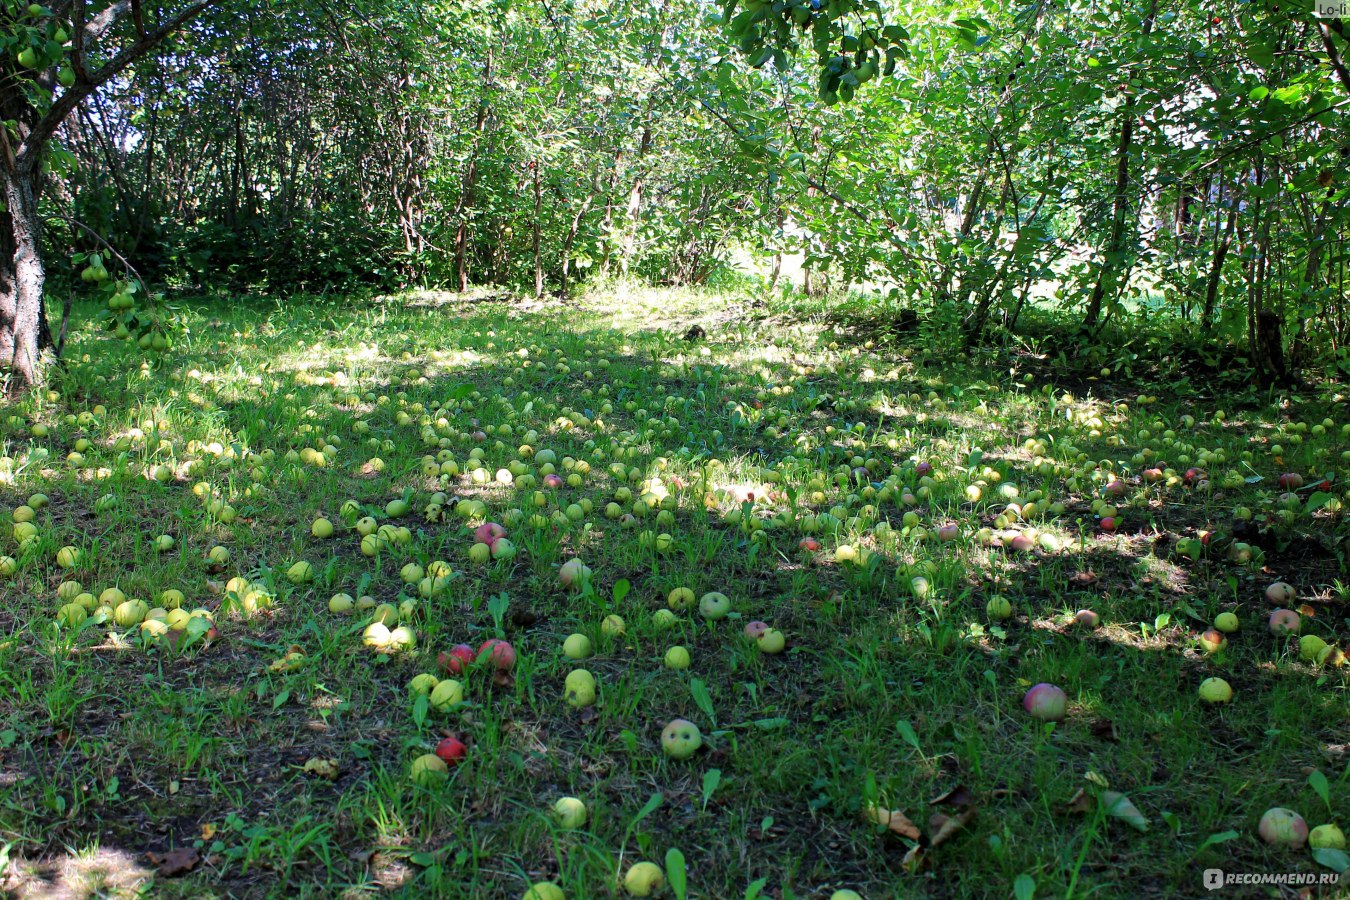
[1193, 475]
[1290, 481]
[452, 751]
[1087, 618]
[1283, 828]
[488, 533]
[457, 659]
[1284, 622]
[552, 481]
[502, 654]
[923, 468]
[949, 532]
[1115, 489]
[1109, 524]
[1046, 702]
[753, 630]
[808, 545]
[1153, 474]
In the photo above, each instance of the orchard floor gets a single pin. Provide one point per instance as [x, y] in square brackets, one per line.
[220, 766]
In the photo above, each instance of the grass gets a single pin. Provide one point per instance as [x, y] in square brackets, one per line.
[115, 745]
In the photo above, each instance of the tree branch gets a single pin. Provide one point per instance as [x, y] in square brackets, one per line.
[1334, 55]
[30, 152]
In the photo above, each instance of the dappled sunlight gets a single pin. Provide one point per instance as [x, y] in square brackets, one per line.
[96, 872]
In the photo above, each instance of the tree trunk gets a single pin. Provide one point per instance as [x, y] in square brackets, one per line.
[538, 209]
[24, 332]
[1107, 271]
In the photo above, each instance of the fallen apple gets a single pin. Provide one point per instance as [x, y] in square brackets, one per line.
[613, 626]
[500, 653]
[1046, 702]
[714, 605]
[579, 689]
[1212, 640]
[452, 751]
[772, 641]
[577, 646]
[1226, 622]
[643, 879]
[998, 608]
[753, 630]
[681, 739]
[429, 771]
[1215, 690]
[570, 812]
[1328, 837]
[1281, 594]
[446, 695]
[1086, 618]
[1282, 827]
[1310, 647]
[457, 659]
[677, 657]
[1285, 622]
[680, 598]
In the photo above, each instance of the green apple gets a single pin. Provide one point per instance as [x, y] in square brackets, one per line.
[322, 528]
[447, 694]
[480, 553]
[677, 657]
[577, 646]
[570, 812]
[613, 626]
[429, 771]
[1215, 690]
[663, 619]
[579, 689]
[643, 879]
[998, 608]
[397, 508]
[341, 604]
[1226, 622]
[714, 605]
[544, 890]
[681, 739]
[164, 543]
[300, 573]
[771, 641]
[680, 598]
[1326, 836]
[423, 684]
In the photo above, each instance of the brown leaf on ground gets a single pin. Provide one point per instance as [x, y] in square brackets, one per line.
[503, 679]
[942, 826]
[1307, 611]
[892, 819]
[1083, 579]
[958, 796]
[1104, 729]
[588, 715]
[175, 862]
[913, 859]
[1079, 803]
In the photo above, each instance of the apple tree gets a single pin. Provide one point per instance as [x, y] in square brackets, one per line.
[54, 58]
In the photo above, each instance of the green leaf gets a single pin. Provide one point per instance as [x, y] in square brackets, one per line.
[621, 589]
[1318, 500]
[711, 779]
[907, 732]
[650, 807]
[1259, 93]
[755, 888]
[1318, 782]
[676, 873]
[702, 699]
[1333, 859]
[1024, 887]
[1221, 837]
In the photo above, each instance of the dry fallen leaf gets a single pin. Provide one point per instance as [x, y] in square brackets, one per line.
[1078, 803]
[913, 859]
[175, 862]
[892, 819]
[957, 796]
[942, 826]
